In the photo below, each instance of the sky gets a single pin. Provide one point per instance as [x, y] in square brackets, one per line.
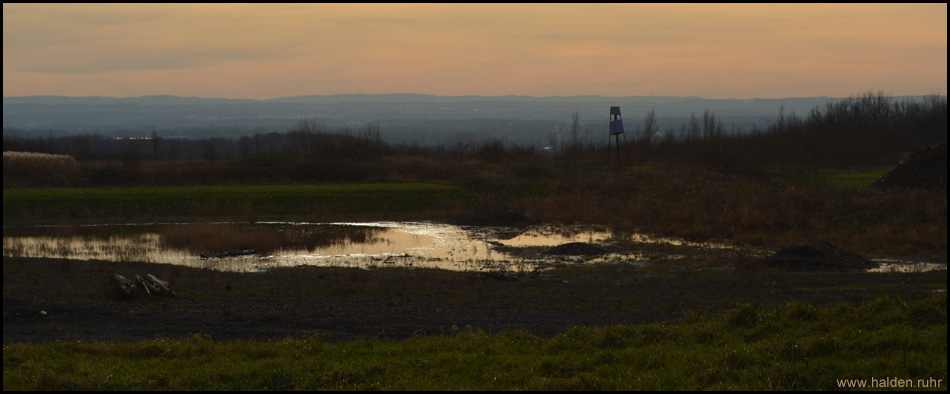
[264, 51]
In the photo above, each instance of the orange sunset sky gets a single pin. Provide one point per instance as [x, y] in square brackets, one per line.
[267, 51]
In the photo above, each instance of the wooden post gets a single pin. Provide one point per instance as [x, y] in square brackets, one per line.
[618, 147]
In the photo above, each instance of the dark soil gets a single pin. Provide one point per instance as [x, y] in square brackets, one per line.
[817, 255]
[577, 249]
[492, 216]
[54, 299]
[926, 169]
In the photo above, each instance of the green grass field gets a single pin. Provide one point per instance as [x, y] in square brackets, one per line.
[226, 200]
[795, 347]
[792, 347]
[847, 179]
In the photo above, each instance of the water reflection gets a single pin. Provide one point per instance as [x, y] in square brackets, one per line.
[266, 245]
[893, 265]
[281, 244]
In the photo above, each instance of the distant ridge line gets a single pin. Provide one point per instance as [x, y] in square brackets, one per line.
[349, 97]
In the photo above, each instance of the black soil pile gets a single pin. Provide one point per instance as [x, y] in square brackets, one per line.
[492, 216]
[926, 169]
[577, 249]
[817, 256]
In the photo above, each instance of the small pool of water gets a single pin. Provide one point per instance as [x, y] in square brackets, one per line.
[258, 246]
[249, 247]
[895, 265]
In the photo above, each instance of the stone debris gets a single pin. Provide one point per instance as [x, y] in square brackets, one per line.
[148, 286]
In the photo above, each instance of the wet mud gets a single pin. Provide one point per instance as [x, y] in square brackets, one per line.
[47, 299]
[543, 279]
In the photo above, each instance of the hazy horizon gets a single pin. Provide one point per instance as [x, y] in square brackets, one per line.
[856, 94]
[264, 51]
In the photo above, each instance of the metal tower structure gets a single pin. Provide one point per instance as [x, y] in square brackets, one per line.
[616, 129]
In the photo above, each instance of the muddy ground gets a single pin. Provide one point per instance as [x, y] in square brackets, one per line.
[54, 299]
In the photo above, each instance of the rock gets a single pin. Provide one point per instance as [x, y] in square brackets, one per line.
[577, 249]
[926, 169]
[817, 256]
[155, 286]
[123, 288]
[492, 216]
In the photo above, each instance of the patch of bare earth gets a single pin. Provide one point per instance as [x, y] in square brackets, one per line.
[54, 299]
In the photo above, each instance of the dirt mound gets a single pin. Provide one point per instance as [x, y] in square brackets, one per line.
[577, 249]
[492, 216]
[815, 256]
[926, 169]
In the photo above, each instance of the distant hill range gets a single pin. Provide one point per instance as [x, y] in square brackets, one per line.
[401, 117]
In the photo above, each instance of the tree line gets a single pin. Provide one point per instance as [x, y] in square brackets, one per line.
[862, 130]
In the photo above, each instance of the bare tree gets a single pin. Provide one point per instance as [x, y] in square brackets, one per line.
[575, 132]
[693, 129]
[210, 151]
[130, 155]
[84, 147]
[173, 150]
[781, 118]
[460, 146]
[650, 128]
[712, 127]
[371, 141]
[244, 145]
[552, 140]
[492, 150]
[155, 140]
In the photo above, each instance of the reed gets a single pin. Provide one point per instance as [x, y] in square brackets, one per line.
[38, 168]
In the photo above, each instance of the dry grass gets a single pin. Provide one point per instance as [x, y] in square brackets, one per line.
[38, 168]
[772, 212]
[758, 207]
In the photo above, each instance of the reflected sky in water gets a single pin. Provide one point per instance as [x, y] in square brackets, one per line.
[359, 244]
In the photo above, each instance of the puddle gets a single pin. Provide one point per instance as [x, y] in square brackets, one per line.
[251, 247]
[894, 265]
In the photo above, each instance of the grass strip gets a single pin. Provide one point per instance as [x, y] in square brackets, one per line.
[224, 200]
[850, 179]
[793, 347]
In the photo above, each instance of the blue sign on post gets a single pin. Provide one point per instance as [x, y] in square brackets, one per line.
[616, 123]
[616, 129]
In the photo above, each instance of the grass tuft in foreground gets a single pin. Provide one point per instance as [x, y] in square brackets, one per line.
[795, 346]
